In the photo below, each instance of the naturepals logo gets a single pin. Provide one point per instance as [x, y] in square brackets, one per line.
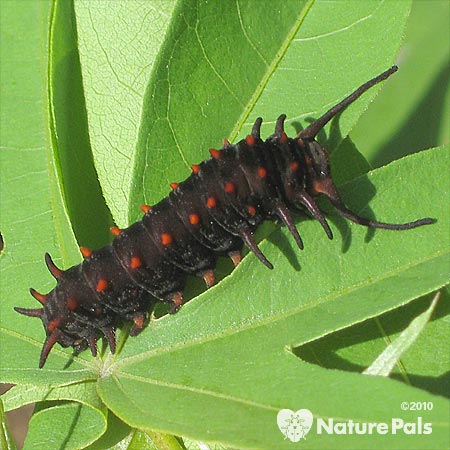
[295, 425]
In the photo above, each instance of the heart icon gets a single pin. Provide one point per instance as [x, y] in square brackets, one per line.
[294, 425]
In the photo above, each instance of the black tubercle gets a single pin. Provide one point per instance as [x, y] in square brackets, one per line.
[213, 213]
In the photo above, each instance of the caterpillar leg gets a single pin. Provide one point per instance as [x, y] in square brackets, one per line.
[177, 302]
[209, 278]
[236, 257]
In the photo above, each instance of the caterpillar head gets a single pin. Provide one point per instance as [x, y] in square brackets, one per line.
[62, 325]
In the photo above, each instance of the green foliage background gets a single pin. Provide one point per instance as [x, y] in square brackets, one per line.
[104, 103]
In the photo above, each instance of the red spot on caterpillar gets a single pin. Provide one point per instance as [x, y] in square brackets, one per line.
[166, 239]
[135, 262]
[195, 168]
[102, 284]
[53, 325]
[229, 187]
[72, 304]
[86, 252]
[174, 185]
[214, 153]
[262, 172]
[115, 231]
[251, 210]
[194, 219]
[250, 140]
[211, 202]
[145, 208]
[294, 166]
[284, 138]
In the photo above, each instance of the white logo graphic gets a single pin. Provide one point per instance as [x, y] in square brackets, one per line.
[294, 425]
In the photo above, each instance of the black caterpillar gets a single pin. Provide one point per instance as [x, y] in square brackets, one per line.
[210, 214]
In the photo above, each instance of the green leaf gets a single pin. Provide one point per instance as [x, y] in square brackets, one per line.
[118, 44]
[77, 177]
[57, 413]
[24, 394]
[68, 426]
